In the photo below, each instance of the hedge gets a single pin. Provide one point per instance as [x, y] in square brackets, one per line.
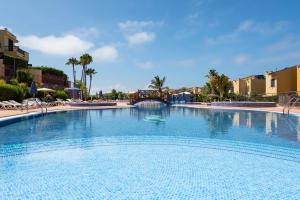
[11, 92]
[24, 76]
[51, 70]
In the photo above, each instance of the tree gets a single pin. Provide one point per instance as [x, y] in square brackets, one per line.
[218, 84]
[73, 61]
[24, 76]
[90, 72]
[158, 84]
[85, 60]
[114, 94]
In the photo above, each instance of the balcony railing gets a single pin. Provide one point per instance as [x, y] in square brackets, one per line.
[15, 48]
[21, 51]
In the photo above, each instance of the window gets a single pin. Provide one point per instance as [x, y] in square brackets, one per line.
[10, 45]
[273, 82]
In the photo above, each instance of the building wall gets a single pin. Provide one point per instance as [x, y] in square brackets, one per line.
[285, 81]
[270, 91]
[236, 86]
[48, 80]
[54, 81]
[240, 87]
[249, 85]
[2, 69]
[17, 52]
[298, 80]
[258, 86]
[37, 76]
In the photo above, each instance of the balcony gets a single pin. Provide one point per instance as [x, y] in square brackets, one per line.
[16, 52]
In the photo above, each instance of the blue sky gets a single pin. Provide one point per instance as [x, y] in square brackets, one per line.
[134, 40]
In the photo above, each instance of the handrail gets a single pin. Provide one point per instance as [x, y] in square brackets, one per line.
[297, 100]
[291, 103]
[39, 104]
[287, 105]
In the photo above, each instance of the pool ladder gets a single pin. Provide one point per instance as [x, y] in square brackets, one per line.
[40, 105]
[291, 103]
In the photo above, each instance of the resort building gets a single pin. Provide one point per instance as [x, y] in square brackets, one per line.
[255, 84]
[196, 90]
[193, 90]
[283, 81]
[11, 56]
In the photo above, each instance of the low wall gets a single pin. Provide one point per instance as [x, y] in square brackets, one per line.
[87, 104]
[243, 104]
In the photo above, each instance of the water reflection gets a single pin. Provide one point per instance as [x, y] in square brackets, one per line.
[270, 123]
[156, 115]
[171, 121]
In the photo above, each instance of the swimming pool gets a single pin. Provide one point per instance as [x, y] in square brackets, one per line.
[163, 153]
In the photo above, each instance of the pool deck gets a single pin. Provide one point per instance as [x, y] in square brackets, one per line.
[9, 113]
[278, 109]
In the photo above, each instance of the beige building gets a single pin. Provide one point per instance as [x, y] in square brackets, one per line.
[12, 57]
[283, 81]
[196, 90]
[249, 85]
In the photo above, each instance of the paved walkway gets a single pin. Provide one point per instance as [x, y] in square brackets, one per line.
[6, 113]
[265, 109]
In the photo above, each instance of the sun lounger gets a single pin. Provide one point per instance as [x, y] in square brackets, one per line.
[5, 106]
[13, 105]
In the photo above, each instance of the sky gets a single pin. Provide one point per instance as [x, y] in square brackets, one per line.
[134, 40]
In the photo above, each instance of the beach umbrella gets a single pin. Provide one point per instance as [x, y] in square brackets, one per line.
[33, 89]
[45, 90]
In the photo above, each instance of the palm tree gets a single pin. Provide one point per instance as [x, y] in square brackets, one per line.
[158, 84]
[73, 61]
[224, 85]
[85, 60]
[218, 84]
[90, 72]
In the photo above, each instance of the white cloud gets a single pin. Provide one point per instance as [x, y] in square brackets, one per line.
[249, 26]
[216, 61]
[185, 62]
[289, 56]
[240, 59]
[90, 32]
[245, 25]
[5, 27]
[134, 26]
[141, 38]
[105, 54]
[145, 65]
[66, 45]
[287, 43]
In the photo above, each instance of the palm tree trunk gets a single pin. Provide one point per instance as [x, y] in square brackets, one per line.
[84, 74]
[74, 79]
[90, 85]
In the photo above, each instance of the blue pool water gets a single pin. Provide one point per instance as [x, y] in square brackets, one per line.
[166, 153]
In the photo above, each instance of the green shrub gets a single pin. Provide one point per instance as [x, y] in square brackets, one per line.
[11, 92]
[24, 76]
[61, 94]
[14, 81]
[25, 89]
[2, 81]
[202, 98]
